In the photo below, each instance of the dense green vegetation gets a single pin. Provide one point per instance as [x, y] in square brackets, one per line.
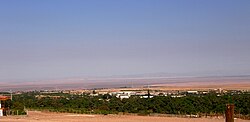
[104, 104]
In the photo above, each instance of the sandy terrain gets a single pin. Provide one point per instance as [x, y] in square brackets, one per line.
[188, 86]
[36, 116]
[166, 83]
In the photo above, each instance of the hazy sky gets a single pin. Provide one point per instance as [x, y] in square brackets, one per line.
[44, 39]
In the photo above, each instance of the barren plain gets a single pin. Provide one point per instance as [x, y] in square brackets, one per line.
[37, 116]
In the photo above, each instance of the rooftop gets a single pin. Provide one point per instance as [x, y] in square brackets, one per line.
[4, 97]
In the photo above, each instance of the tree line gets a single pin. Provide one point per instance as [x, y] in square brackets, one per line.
[105, 104]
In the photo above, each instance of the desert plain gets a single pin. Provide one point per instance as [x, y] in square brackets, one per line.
[38, 116]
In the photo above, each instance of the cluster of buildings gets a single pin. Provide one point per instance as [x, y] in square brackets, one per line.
[127, 94]
[141, 92]
[149, 93]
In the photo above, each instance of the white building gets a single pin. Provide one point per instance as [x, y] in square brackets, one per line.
[146, 96]
[123, 96]
[192, 92]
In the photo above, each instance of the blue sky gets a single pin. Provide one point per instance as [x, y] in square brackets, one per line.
[48, 39]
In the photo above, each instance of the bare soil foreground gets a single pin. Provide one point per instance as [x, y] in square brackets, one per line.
[37, 116]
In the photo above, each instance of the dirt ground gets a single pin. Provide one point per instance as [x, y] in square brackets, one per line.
[37, 116]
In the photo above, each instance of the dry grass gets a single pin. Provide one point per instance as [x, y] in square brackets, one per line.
[37, 116]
